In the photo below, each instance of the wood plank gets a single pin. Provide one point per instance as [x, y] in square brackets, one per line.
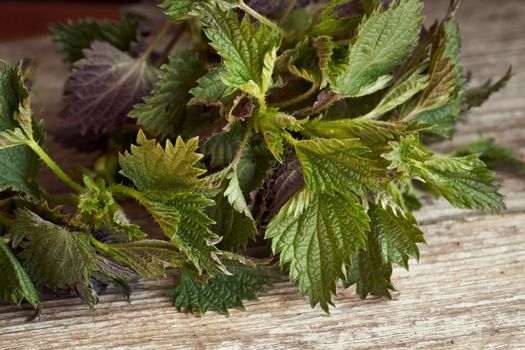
[465, 291]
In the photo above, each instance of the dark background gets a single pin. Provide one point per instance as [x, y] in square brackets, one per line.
[24, 18]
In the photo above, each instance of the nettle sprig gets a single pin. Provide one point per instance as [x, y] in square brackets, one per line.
[305, 126]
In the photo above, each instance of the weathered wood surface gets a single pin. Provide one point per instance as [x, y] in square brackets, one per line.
[468, 290]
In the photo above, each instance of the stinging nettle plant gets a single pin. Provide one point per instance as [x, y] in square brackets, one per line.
[299, 124]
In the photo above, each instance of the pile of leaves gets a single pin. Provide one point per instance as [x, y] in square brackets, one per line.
[298, 125]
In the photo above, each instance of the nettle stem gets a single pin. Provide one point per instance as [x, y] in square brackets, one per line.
[5, 220]
[297, 99]
[242, 146]
[156, 40]
[174, 39]
[242, 5]
[54, 167]
[126, 191]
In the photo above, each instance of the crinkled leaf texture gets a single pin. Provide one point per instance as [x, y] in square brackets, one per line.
[148, 258]
[16, 284]
[316, 234]
[392, 239]
[52, 255]
[382, 43]
[19, 164]
[173, 193]
[162, 113]
[249, 53]
[336, 165]
[222, 292]
[103, 88]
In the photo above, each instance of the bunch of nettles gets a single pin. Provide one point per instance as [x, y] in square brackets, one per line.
[303, 128]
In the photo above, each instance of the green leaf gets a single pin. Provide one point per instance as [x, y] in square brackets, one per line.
[465, 182]
[223, 291]
[76, 36]
[331, 165]
[19, 164]
[369, 270]
[182, 217]
[172, 192]
[16, 284]
[51, 254]
[397, 234]
[382, 43]
[235, 196]
[162, 113]
[316, 233]
[210, 88]
[153, 168]
[248, 53]
[369, 131]
[148, 258]
[332, 23]
[391, 239]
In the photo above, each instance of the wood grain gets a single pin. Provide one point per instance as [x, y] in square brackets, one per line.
[467, 292]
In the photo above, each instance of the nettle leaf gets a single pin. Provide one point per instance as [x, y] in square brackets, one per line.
[19, 164]
[324, 48]
[398, 235]
[75, 36]
[16, 284]
[233, 193]
[223, 291]
[248, 53]
[147, 258]
[99, 94]
[369, 270]
[381, 44]
[391, 239]
[316, 234]
[162, 113]
[172, 192]
[52, 255]
[369, 131]
[210, 88]
[154, 168]
[465, 182]
[331, 165]
[333, 22]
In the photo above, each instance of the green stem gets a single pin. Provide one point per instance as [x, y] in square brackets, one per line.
[174, 39]
[155, 41]
[242, 5]
[5, 220]
[126, 191]
[297, 99]
[60, 199]
[54, 167]
[289, 10]
[242, 146]
[319, 108]
[98, 244]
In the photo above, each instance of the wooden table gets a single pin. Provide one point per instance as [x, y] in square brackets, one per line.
[468, 291]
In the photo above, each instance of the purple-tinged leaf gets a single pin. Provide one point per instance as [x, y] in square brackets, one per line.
[104, 87]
